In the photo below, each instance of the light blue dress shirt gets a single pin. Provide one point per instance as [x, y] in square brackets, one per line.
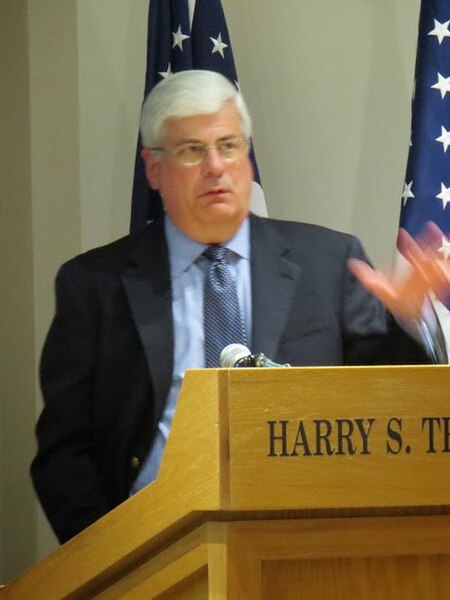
[187, 269]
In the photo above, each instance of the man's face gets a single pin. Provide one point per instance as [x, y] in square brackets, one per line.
[207, 201]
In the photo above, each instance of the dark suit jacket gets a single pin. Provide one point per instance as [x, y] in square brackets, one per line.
[107, 362]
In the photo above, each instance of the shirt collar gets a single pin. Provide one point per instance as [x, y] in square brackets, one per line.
[183, 251]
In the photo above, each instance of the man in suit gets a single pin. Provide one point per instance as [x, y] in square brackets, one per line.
[129, 317]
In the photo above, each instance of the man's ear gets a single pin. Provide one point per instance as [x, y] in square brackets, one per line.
[152, 166]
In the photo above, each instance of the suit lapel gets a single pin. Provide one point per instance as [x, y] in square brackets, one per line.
[147, 285]
[274, 279]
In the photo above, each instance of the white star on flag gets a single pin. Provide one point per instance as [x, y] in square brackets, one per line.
[444, 138]
[444, 195]
[440, 30]
[165, 74]
[407, 193]
[178, 38]
[445, 248]
[443, 85]
[219, 46]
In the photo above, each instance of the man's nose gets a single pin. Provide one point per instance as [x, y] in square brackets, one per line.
[213, 162]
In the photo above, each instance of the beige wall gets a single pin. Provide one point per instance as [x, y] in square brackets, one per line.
[111, 51]
[17, 523]
[53, 51]
[328, 83]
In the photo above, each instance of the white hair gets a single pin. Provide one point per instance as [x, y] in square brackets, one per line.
[187, 94]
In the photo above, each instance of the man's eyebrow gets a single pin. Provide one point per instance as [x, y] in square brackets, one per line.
[228, 136]
[190, 141]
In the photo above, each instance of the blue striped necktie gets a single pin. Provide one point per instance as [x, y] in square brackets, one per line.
[223, 322]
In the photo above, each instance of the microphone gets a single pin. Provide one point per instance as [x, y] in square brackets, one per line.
[238, 355]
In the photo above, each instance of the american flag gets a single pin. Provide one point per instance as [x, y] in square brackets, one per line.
[173, 45]
[426, 191]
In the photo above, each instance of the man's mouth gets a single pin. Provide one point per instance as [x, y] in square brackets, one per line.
[216, 192]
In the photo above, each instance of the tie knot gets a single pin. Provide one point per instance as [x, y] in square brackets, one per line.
[216, 253]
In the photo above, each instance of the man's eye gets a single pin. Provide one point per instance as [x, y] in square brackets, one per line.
[228, 146]
[191, 150]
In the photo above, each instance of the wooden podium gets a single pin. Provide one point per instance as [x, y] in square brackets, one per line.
[324, 483]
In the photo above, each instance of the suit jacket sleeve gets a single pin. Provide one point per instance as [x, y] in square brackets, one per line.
[64, 471]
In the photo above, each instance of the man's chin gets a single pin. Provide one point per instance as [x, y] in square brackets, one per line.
[224, 212]
[219, 224]
[219, 209]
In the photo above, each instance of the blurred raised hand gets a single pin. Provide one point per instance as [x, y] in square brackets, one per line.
[404, 295]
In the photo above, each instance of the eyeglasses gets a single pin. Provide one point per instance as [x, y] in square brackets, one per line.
[192, 153]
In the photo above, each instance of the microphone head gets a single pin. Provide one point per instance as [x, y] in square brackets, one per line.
[232, 354]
